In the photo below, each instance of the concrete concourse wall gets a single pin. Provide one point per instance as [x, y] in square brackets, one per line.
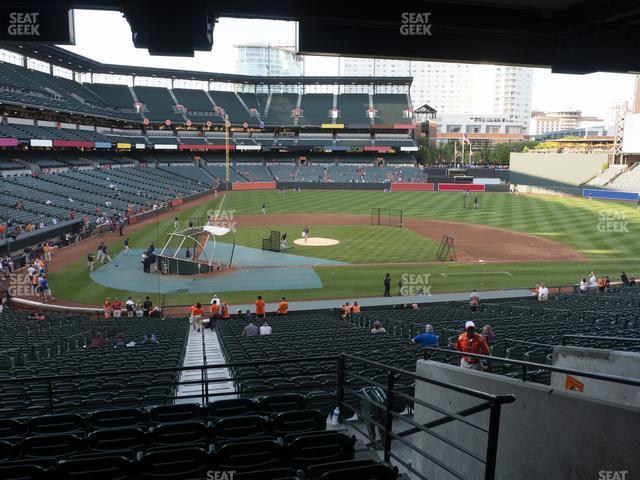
[555, 169]
[598, 360]
[545, 434]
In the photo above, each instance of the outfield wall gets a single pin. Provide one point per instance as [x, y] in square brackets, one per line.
[559, 170]
[545, 434]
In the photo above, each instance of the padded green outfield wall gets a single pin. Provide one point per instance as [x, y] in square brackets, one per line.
[555, 169]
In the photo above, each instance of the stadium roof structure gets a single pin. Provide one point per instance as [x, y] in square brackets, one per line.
[573, 36]
[78, 63]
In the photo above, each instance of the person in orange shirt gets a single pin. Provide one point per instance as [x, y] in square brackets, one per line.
[283, 306]
[346, 310]
[472, 342]
[260, 308]
[225, 311]
[214, 310]
[196, 316]
[355, 308]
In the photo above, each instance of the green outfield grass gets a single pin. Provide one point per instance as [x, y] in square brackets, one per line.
[358, 243]
[604, 231]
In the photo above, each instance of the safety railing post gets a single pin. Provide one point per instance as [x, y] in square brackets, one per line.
[492, 441]
[50, 392]
[340, 389]
[388, 424]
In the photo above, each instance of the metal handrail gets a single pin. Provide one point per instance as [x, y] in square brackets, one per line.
[468, 391]
[594, 337]
[538, 366]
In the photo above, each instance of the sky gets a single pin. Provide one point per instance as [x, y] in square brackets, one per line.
[106, 36]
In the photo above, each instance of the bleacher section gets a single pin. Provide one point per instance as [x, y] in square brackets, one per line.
[609, 174]
[390, 108]
[236, 111]
[353, 108]
[198, 106]
[158, 104]
[280, 109]
[316, 109]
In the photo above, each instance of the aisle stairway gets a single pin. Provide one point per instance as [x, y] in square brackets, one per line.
[193, 356]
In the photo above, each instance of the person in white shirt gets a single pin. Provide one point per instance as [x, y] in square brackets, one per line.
[130, 306]
[583, 285]
[214, 299]
[543, 293]
[265, 329]
[593, 281]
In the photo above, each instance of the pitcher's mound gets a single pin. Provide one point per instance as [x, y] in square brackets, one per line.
[316, 242]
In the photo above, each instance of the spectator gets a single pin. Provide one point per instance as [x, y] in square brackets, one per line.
[607, 283]
[44, 287]
[260, 308]
[488, 334]
[36, 316]
[225, 311]
[116, 307]
[139, 310]
[214, 309]
[471, 342]
[130, 306]
[378, 328]
[265, 329]
[543, 293]
[156, 312]
[355, 309]
[632, 281]
[248, 316]
[146, 306]
[624, 279]
[196, 316]
[592, 281]
[474, 300]
[601, 284]
[250, 330]
[583, 286]
[283, 306]
[106, 307]
[426, 339]
[346, 310]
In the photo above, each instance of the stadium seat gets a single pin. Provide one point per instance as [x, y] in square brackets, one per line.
[240, 427]
[293, 421]
[96, 468]
[283, 402]
[250, 456]
[368, 472]
[129, 417]
[232, 407]
[59, 446]
[176, 413]
[57, 424]
[177, 433]
[106, 439]
[316, 471]
[185, 462]
[315, 449]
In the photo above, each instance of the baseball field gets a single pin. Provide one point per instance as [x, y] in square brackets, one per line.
[511, 241]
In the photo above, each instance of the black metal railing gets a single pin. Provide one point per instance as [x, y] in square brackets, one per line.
[397, 385]
[595, 338]
[531, 366]
[387, 411]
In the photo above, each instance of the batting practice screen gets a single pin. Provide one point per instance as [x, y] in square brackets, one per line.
[272, 242]
[390, 217]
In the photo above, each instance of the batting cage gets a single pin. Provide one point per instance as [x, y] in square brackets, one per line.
[472, 201]
[390, 217]
[446, 251]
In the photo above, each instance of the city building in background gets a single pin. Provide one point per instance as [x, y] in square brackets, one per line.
[479, 130]
[268, 60]
[449, 87]
[545, 122]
